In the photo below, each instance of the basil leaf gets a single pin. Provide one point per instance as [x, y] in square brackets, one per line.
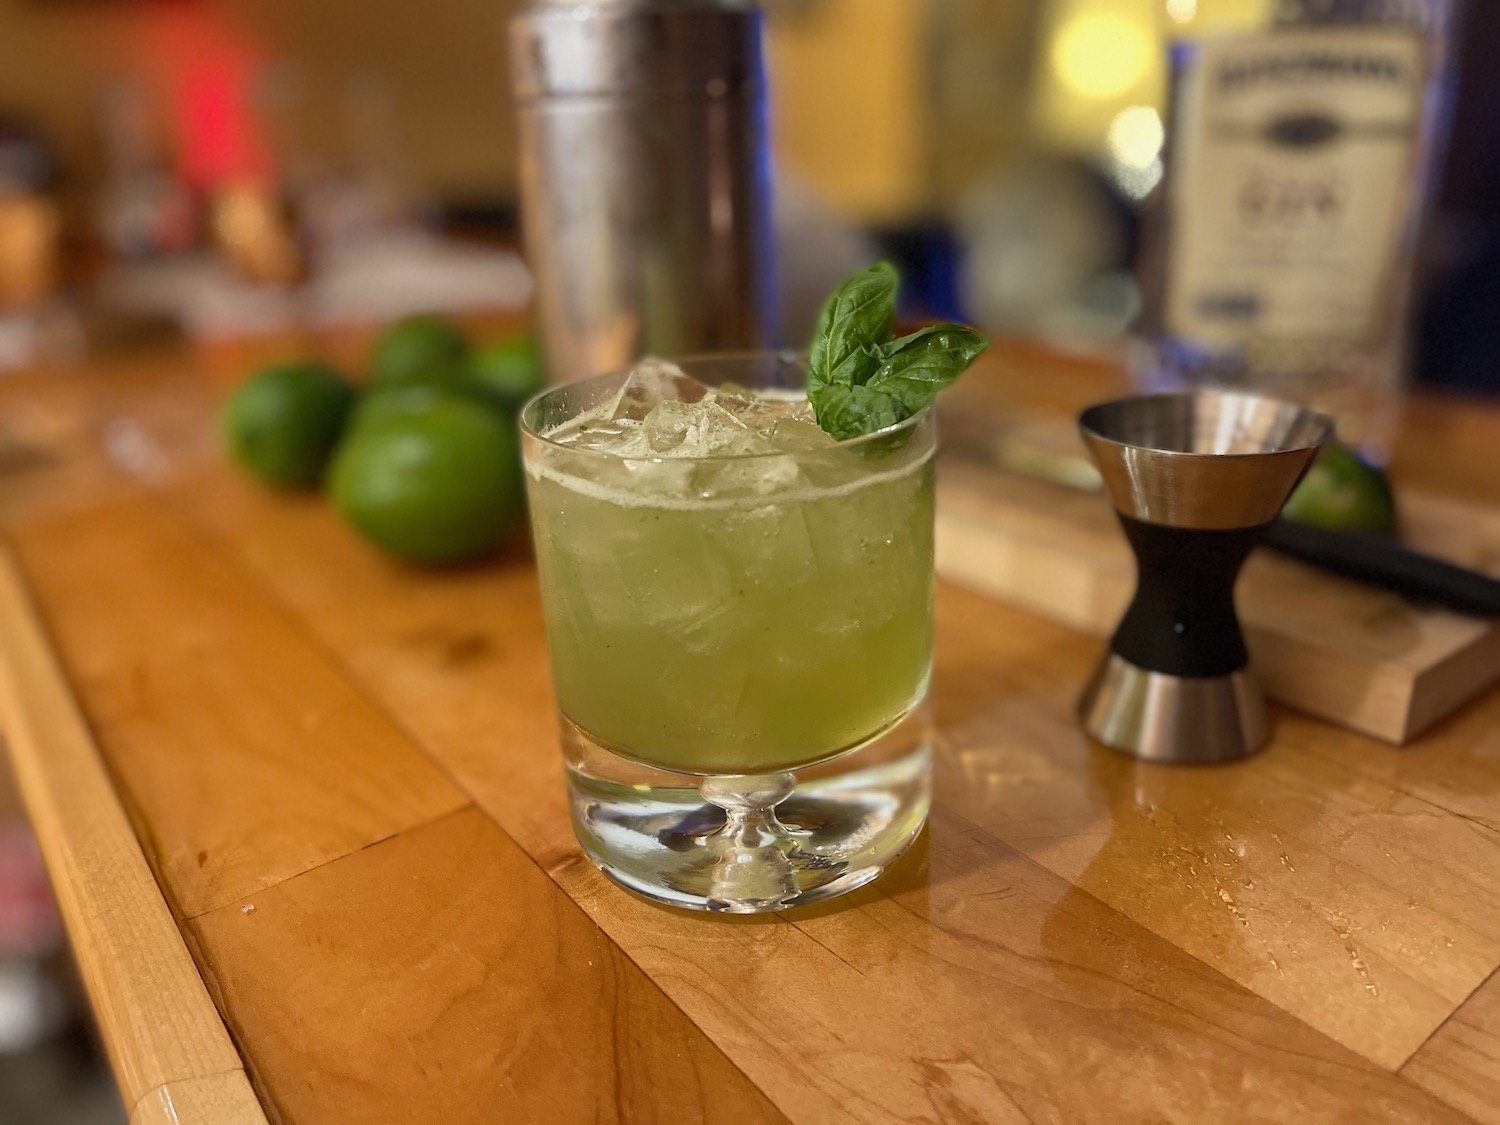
[854, 323]
[917, 367]
[859, 380]
[850, 411]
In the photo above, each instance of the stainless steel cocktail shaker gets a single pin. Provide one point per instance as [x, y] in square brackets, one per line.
[645, 186]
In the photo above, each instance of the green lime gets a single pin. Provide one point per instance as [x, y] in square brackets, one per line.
[283, 422]
[434, 481]
[383, 404]
[380, 404]
[1344, 493]
[419, 349]
[509, 371]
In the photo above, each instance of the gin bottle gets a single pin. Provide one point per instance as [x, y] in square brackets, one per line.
[1301, 142]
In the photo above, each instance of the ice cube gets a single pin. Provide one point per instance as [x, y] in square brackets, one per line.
[612, 425]
[630, 440]
[687, 593]
[774, 539]
[652, 474]
[624, 438]
[763, 410]
[701, 429]
[653, 382]
[669, 424]
[792, 434]
[756, 412]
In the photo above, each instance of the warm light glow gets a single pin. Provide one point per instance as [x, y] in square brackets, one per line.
[1136, 136]
[1182, 11]
[1102, 55]
[1137, 183]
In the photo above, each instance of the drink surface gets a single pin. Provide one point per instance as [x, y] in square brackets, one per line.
[727, 589]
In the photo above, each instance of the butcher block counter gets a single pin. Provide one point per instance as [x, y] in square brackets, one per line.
[303, 811]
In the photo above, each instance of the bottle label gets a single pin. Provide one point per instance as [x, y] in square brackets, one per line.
[1293, 174]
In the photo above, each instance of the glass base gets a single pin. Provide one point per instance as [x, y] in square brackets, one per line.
[749, 844]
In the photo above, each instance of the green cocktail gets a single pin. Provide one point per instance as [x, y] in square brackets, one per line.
[731, 594]
[741, 634]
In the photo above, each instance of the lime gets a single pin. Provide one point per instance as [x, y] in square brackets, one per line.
[383, 404]
[282, 423]
[419, 349]
[432, 478]
[1344, 493]
[509, 371]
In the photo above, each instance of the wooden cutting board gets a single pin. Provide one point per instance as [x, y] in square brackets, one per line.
[1354, 655]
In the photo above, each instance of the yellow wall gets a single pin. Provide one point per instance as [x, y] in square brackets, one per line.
[890, 109]
[847, 81]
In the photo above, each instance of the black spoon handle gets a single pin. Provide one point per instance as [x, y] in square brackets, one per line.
[1382, 562]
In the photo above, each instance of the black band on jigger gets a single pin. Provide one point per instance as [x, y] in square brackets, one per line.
[1182, 620]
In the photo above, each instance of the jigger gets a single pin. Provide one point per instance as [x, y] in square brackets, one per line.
[1196, 479]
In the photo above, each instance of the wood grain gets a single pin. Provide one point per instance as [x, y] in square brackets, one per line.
[1365, 911]
[158, 1023]
[1455, 767]
[1446, 445]
[440, 977]
[1461, 1063]
[1016, 993]
[219, 1099]
[1349, 653]
[68, 442]
[1074, 939]
[244, 754]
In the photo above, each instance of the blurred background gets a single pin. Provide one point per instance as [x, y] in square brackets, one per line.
[226, 166]
[222, 169]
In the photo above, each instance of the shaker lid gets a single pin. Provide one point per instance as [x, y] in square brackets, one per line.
[668, 48]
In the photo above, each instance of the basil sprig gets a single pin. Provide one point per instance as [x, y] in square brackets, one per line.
[859, 379]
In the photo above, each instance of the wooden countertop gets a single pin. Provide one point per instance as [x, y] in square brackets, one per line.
[367, 903]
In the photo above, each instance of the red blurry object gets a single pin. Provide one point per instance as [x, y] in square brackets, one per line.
[29, 924]
[210, 69]
[220, 142]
